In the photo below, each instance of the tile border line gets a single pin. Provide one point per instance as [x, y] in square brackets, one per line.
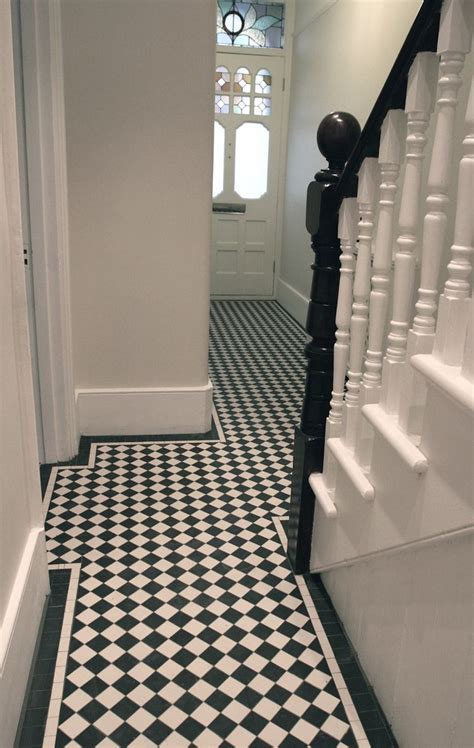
[344, 694]
[59, 677]
[93, 456]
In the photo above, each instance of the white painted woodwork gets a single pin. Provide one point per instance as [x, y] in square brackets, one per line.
[408, 506]
[467, 370]
[243, 244]
[42, 59]
[366, 196]
[386, 425]
[24, 582]
[346, 460]
[454, 304]
[449, 380]
[348, 220]
[390, 153]
[453, 44]
[323, 496]
[410, 618]
[418, 106]
[145, 410]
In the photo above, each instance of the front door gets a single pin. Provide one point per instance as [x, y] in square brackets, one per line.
[248, 106]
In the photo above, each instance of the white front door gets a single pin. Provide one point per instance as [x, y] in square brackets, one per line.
[248, 105]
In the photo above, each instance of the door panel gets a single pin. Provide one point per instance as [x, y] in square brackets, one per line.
[246, 164]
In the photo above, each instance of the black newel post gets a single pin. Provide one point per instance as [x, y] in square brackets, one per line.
[337, 136]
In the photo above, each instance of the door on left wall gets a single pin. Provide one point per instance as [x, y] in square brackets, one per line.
[25, 219]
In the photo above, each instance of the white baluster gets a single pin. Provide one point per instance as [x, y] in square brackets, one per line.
[348, 216]
[467, 370]
[366, 195]
[418, 106]
[392, 137]
[454, 303]
[453, 44]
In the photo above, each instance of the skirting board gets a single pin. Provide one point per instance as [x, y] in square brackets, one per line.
[164, 410]
[293, 301]
[20, 630]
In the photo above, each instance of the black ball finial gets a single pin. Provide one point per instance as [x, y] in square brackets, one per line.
[337, 135]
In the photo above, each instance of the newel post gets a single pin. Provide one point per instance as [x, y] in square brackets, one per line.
[337, 136]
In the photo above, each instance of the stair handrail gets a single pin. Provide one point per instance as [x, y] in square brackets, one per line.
[345, 150]
[422, 36]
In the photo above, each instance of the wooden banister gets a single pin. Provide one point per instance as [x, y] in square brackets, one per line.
[422, 37]
[345, 147]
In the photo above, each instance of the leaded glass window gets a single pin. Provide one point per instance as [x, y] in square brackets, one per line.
[241, 104]
[262, 106]
[249, 24]
[242, 81]
[263, 82]
[245, 95]
[221, 104]
[223, 80]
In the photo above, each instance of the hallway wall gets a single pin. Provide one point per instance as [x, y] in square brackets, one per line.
[139, 112]
[23, 572]
[342, 53]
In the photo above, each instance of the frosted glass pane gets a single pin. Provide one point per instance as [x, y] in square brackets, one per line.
[242, 80]
[222, 79]
[262, 106]
[241, 104]
[221, 104]
[251, 160]
[263, 82]
[219, 149]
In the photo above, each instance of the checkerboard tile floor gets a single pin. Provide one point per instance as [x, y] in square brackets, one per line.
[189, 628]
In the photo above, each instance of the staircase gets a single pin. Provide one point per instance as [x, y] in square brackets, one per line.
[393, 515]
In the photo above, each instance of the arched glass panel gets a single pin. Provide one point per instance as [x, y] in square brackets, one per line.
[251, 160]
[222, 84]
[242, 81]
[219, 159]
[263, 82]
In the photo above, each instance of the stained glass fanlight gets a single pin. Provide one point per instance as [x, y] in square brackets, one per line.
[249, 24]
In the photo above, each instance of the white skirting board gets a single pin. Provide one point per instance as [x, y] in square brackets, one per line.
[20, 630]
[293, 301]
[163, 410]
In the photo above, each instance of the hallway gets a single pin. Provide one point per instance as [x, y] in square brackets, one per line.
[188, 627]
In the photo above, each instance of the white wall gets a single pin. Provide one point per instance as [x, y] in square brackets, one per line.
[139, 110]
[342, 53]
[23, 571]
[410, 620]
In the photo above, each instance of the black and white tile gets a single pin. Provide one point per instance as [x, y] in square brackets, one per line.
[189, 627]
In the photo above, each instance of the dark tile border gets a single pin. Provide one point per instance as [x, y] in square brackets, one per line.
[370, 712]
[287, 314]
[31, 728]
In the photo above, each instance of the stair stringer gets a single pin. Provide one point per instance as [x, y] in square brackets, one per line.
[409, 618]
[408, 507]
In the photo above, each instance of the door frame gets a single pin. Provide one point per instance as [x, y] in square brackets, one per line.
[274, 125]
[47, 184]
[286, 53]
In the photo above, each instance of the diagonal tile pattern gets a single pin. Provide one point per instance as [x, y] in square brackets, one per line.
[189, 626]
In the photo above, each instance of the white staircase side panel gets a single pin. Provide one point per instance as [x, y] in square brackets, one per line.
[409, 618]
[407, 507]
